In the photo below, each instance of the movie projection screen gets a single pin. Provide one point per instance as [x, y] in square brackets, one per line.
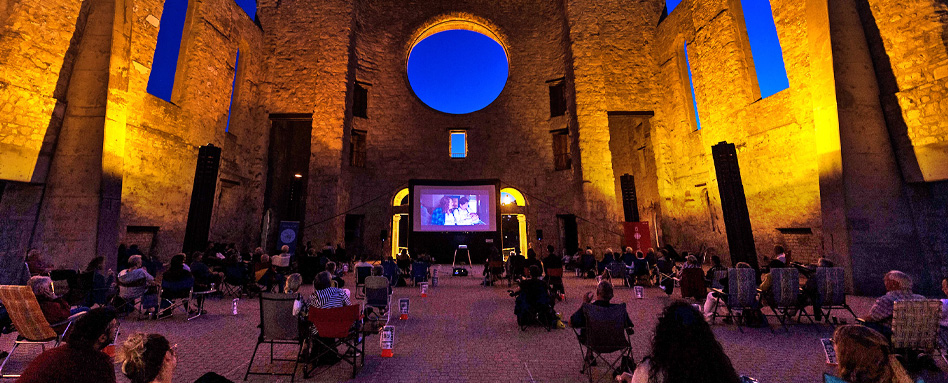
[454, 208]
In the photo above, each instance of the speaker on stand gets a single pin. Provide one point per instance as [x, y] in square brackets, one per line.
[382, 238]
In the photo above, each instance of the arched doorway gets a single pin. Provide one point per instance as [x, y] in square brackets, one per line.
[400, 222]
[513, 209]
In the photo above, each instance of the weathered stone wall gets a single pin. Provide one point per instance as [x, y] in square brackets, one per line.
[774, 136]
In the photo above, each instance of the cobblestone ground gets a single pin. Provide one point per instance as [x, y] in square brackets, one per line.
[463, 332]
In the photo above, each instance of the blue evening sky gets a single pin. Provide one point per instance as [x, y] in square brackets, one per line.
[458, 144]
[457, 71]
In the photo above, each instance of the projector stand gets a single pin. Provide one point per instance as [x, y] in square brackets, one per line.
[460, 271]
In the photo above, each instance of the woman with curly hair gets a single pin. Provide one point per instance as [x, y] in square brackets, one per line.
[865, 357]
[147, 358]
[684, 350]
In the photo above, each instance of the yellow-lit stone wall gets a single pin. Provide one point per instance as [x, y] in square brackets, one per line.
[774, 136]
[34, 37]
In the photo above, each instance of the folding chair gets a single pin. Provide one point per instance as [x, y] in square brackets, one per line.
[390, 271]
[278, 325]
[27, 316]
[831, 290]
[419, 272]
[604, 334]
[741, 295]
[495, 271]
[235, 278]
[361, 273]
[378, 300]
[716, 279]
[618, 270]
[339, 326]
[692, 284]
[554, 280]
[785, 289]
[915, 325]
[175, 294]
[147, 301]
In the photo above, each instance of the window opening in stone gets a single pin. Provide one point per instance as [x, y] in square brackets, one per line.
[233, 91]
[671, 4]
[457, 71]
[557, 98]
[561, 158]
[249, 7]
[167, 49]
[458, 144]
[357, 148]
[691, 85]
[765, 47]
[360, 101]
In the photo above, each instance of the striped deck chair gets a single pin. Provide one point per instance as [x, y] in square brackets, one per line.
[831, 290]
[915, 324]
[27, 317]
[785, 293]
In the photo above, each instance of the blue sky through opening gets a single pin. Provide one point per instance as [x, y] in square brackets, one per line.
[249, 6]
[457, 71]
[691, 84]
[671, 4]
[233, 90]
[765, 47]
[161, 79]
[458, 143]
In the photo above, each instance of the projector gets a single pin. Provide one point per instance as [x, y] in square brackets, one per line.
[460, 272]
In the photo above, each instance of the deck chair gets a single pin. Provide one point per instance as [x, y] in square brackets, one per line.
[235, 278]
[378, 300]
[603, 336]
[742, 294]
[618, 270]
[390, 271]
[915, 325]
[278, 325]
[175, 294]
[692, 284]
[361, 273]
[831, 290]
[339, 326]
[27, 316]
[785, 291]
[419, 273]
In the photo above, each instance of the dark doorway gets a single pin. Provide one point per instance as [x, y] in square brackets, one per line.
[740, 237]
[510, 232]
[403, 230]
[355, 228]
[569, 235]
[202, 198]
[287, 171]
[629, 200]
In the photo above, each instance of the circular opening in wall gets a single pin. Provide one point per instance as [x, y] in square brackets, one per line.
[457, 71]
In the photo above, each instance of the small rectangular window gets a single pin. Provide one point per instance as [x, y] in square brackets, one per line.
[458, 144]
[561, 157]
[233, 91]
[557, 98]
[357, 148]
[360, 102]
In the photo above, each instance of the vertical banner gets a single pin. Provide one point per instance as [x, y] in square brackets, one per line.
[637, 235]
[288, 234]
[403, 308]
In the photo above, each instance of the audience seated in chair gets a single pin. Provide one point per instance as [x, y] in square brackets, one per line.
[331, 267]
[714, 304]
[684, 349]
[55, 308]
[176, 283]
[81, 359]
[204, 278]
[603, 298]
[865, 356]
[641, 269]
[134, 281]
[899, 287]
[37, 264]
[325, 296]
[100, 284]
[13, 271]
[716, 266]
[148, 358]
[533, 300]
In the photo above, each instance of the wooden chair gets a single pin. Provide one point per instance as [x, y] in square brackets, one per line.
[27, 316]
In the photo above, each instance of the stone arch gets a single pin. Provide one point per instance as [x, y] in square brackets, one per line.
[518, 199]
[453, 21]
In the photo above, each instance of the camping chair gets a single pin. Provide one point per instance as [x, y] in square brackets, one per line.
[495, 271]
[605, 334]
[535, 308]
[554, 280]
[618, 270]
[915, 325]
[278, 325]
[692, 284]
[831, 290]
[146, 302]
[716, 279]
[235, 278]
[31, 325]
[361, 273]
[785, 291]
[175, 294]
[742, 294]
[390, 271]
[378, 299]
[339, 326]
[419, 272]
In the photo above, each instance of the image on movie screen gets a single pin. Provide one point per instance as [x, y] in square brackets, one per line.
[453, 210]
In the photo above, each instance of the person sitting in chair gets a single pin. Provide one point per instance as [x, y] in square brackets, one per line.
[604, 294]
[55, 309]
[532, 298]
[81, 358]
[133, 282]
[899, 287]
[325, 296]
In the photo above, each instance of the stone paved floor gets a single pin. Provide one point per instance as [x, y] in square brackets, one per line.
[463, 332]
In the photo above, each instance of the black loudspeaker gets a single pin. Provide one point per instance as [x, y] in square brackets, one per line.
[384, 235]
[539, 235]
[202, 198]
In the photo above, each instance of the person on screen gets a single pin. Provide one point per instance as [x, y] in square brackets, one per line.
[439, 213]
[463, 216]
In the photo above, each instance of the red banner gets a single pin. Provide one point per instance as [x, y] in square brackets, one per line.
[637, 235]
